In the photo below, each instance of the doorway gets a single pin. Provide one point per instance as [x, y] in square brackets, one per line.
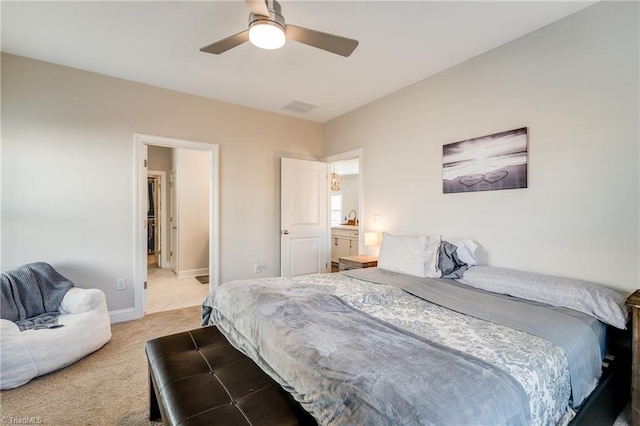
[173, 280]
[167, 242]
[156, 212]
[346, 205]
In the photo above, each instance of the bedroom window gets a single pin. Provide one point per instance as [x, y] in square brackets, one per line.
[336, 209]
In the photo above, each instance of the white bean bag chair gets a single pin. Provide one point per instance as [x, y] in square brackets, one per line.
[31, 353]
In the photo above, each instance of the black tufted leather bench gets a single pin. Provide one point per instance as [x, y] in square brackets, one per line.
[198, 378]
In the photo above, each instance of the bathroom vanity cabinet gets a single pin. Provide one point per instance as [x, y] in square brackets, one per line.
[344, 242]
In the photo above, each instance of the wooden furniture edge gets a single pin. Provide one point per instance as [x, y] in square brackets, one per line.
[633, 301]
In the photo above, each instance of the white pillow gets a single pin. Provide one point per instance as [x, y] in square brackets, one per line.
[432, 252]
[590, 298]
[411, 255]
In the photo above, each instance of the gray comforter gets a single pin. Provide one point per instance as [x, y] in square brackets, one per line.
[580, 336]
[346, 367]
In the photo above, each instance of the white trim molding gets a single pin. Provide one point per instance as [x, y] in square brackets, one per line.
[122, 315]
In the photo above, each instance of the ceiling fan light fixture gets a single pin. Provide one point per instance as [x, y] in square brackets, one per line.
[268, 30]
[267, 34]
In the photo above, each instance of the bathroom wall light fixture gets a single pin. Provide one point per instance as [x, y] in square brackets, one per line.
[335, 179]
[377, 222]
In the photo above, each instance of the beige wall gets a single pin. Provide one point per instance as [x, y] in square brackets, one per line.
[160, 158]
[192, 171]
[68, 172]
[575, 85]
[67, 159]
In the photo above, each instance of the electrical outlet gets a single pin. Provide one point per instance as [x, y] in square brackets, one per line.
[257, 268]
[121, 283]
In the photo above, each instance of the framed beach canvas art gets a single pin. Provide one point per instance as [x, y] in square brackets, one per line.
[486, 163]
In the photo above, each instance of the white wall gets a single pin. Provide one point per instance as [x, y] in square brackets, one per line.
[349, 186]
[68, 171]
[575, 85]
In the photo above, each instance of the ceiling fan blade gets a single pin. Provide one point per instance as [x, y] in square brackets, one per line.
[225, 44]
[258, 7]
[331, 43]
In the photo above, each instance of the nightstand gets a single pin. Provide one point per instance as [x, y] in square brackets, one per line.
[357, 262]
[633, 301]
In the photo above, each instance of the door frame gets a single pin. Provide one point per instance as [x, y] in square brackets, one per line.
[173, 213]
[162, 178]
[350, 155]
[141, 141]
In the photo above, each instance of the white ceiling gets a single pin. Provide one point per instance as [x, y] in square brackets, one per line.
[157, 43]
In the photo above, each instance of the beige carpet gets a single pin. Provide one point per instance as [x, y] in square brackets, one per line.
[109, 387]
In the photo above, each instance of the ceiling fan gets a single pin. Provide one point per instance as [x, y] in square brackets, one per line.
[268, 30]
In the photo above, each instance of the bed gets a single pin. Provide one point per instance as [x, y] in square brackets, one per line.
[400, 344]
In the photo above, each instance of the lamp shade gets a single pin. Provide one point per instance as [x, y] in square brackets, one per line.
[370, 239]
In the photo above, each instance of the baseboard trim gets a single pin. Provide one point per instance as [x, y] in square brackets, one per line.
[121, 315]
[190, 273]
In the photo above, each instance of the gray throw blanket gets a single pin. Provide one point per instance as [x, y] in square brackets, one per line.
[31, 295]
[346, 367]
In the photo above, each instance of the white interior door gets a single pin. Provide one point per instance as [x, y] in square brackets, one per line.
[304, 232]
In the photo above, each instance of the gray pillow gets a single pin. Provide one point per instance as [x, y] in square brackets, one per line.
[449, 263]
[590, 298]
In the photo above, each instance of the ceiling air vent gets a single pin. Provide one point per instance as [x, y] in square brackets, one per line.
[299, 106]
